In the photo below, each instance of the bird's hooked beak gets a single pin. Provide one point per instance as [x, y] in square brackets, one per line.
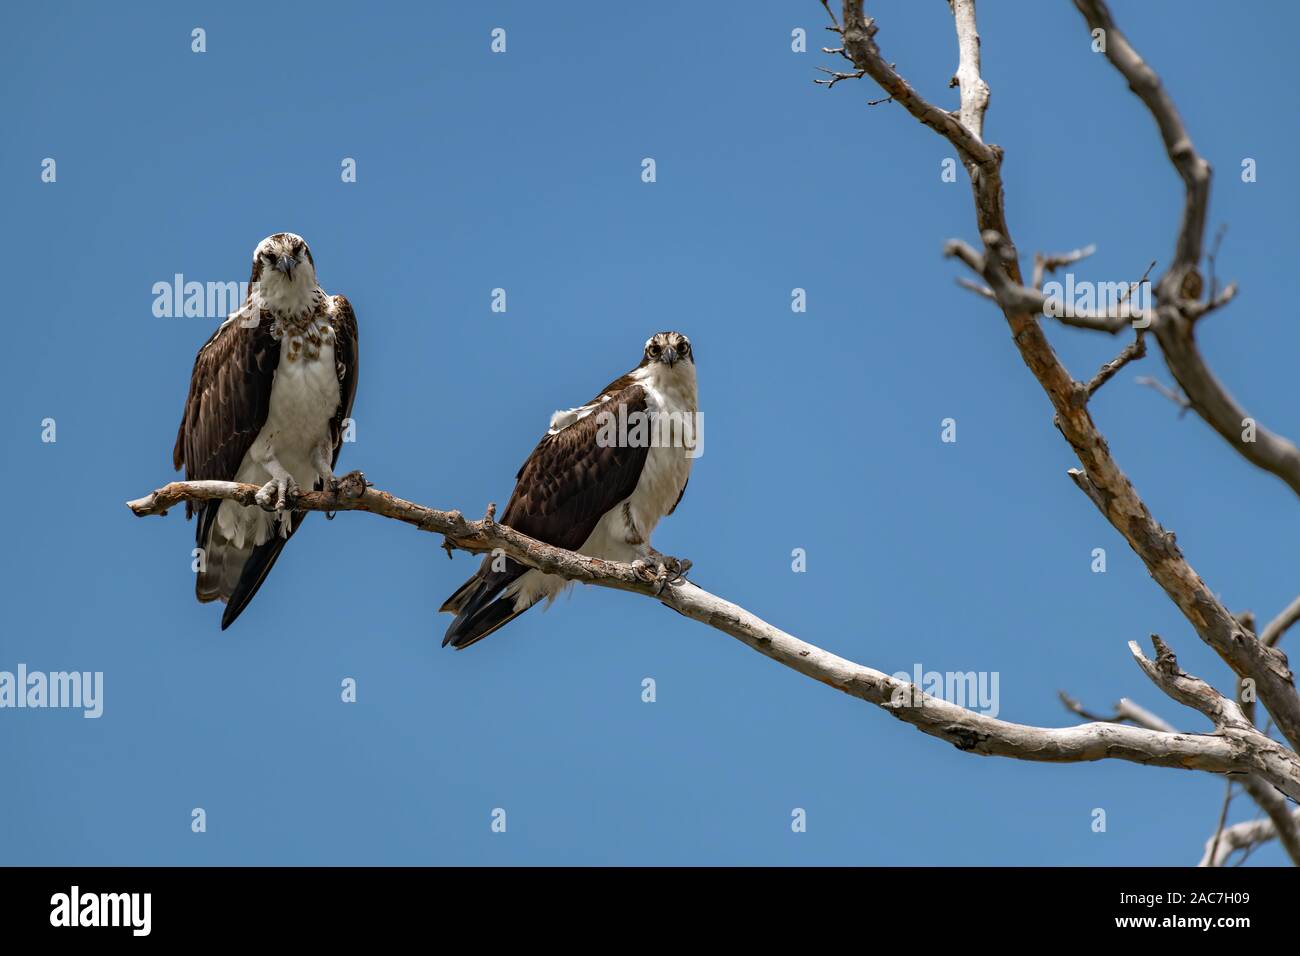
[670, 356]
[285, 264]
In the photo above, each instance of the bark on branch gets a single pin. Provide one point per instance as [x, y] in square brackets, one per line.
[1286, 824]
[1242, 836]
[1178, 291]
[1229, 750]
[1101, 477]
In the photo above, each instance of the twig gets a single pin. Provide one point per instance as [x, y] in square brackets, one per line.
[1223, 818]
[976, 287]
[1182, 403]
[1136, 349]
[1240, 836]
[1050, 263]
[836, 76]
[1275, 628]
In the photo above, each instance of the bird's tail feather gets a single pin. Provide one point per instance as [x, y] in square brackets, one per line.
[256, 568]
[232, 572]
[478, 607]
[456, 603]
[222, 564]
[470, 629]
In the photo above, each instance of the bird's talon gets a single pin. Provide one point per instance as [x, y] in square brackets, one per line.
[353, 485]
[287, 494]
[270, 497]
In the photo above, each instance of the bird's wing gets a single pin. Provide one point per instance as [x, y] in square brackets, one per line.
[571, 479]
[228, 402]
[568, 483]
[347, 346]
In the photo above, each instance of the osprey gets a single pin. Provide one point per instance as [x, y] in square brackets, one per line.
[268, 396]
[595, 486]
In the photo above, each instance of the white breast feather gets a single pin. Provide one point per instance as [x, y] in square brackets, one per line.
[305, 395]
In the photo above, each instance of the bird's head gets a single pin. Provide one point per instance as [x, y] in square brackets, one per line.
[282, 264]
[668, 349]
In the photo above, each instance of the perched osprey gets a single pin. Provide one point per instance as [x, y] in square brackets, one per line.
[268, 396]
[584, 492]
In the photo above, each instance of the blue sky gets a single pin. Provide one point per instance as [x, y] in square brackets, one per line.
[522, 171]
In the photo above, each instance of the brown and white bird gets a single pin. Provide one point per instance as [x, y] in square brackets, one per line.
[268, 398]
[594, 484]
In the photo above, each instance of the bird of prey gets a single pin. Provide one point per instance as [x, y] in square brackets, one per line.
[584, 492]
[268, 397]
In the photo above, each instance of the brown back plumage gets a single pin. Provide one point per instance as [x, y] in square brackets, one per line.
[566, 485]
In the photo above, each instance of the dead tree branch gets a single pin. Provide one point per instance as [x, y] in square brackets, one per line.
[1178, 290]
[1101, 477]
[1230, 750]
[1275, 628]
[1242, 836]
[1286, 824]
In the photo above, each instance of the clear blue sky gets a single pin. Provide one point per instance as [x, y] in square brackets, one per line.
[522, 171]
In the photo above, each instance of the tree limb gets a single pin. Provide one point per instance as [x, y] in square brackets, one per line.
[1108, 487]
[1286, 826]
[1227, 751]
[1241, 836]
[1275, 628]
[1126, 711]
[1178, 290]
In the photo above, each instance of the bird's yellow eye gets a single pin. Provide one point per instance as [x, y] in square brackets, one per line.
[655, 349]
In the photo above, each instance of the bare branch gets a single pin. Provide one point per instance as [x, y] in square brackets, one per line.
[1188, 690]
[836, 76]
[977, 288]
[859, 33]
[1223, 819]
[1226, 714]
[1107, 485]
[1194, 171]
[1134, 350]
[1286, 823]
[974, 91]
[1012, 295]
[1229, 751]
[1286, 826]
[1126, 711]
[1175, 397]
[1196, 310]
[1136, 285]
[1180, 286]
[1241, 836]
[1050, 263]
[1275, 628]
